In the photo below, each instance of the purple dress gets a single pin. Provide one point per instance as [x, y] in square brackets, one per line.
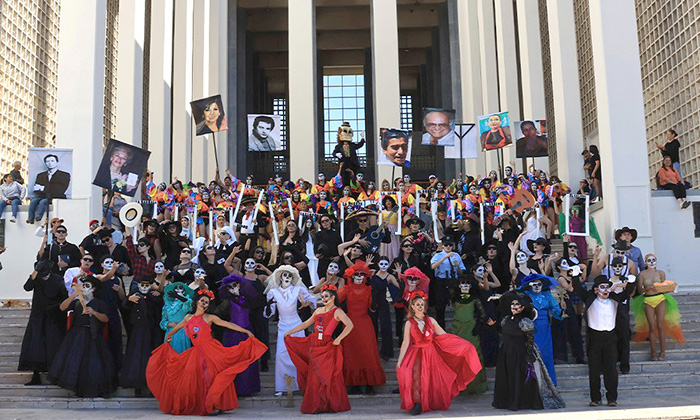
[576, 224]
[248, 381]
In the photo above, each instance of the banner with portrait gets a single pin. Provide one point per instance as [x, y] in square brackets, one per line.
[394, 147]
[209, 115]
[438, 127]
[50, 173]
[494, 131]
[531, 138]
[264, 133]
[122, 168]
[466, 137]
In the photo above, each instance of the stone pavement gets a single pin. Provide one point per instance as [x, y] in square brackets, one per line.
[643, 405]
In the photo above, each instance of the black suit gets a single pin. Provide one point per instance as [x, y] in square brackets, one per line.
[56, 187]
[601, 345]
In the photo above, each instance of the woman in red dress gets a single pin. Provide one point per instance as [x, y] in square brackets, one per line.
[200, 380]
[319, 358]
[433, 366]
[361, 366]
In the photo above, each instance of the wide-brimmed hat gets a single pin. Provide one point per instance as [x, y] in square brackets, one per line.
[423, 280]
[359, 267]
[600, 280]
[621, 245]
[508, 297]
[547, 282]
[167, 224]
[413, 220]
[531, 245]
[248, 199]
[360, 212]
[619, 232]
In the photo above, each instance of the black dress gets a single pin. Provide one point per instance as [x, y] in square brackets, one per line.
[516, 385]
[83, 364]
[47, 323]
[145, 336]
[261, 327]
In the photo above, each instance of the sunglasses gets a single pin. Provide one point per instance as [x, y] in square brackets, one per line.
[407, 246]
[106, 239]
[362, 220]
[61, 231]
[208, 248]
[412, 278]
[186, 251]
[142, 244]
[573, 246]
[258, 252]
[88, 260]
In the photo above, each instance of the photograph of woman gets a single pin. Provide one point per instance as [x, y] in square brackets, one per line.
[209, 116]
[494, 131]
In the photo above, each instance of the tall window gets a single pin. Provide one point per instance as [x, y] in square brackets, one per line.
[406, 112]
[279, 107]
[343, 100]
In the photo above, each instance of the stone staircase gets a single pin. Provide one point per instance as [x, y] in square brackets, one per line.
[679, 374]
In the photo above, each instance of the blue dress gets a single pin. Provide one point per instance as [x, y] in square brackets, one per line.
[174, 311]
[546, 305]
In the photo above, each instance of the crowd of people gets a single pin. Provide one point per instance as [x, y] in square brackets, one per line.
[213, 265]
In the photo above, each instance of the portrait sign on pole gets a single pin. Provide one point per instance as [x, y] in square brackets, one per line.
[494, 131]
[394, 148]
[438, 127]
[531, 138]
[122, 168]
[50, 173]
[264, 133]
[209, 116]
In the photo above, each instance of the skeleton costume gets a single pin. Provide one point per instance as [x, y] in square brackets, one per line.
[467, 323]
[284, 292]
[178, 303]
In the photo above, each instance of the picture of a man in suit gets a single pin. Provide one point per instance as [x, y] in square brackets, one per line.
[52, 183]
[261, 137]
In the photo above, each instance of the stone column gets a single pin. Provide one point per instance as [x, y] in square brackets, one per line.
[508, 85]
[182, 127]
[489, 77]
[80, 105]
[303, 136]
[160, 88]
[218, 22]
[621, 124]
[565, 88]
[385, 76]
[531, 72]
[200, 88]
[132, 16]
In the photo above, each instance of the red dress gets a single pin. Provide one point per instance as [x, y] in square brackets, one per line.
[436, 368]
[199, 380]
[360, 350]
[319, 366]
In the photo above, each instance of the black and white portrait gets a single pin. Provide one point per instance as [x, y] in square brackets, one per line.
[50, 173]
[121, 168]
[209, 116]
[264, 133]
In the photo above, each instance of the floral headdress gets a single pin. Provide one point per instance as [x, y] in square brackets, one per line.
[205, 292]
[329, 287]
[417, 293]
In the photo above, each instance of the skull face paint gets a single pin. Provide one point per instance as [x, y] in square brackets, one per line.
[234, 289]
[651, 261]
[250, 265]
[536, 286]
[564, 266]
[479, 272]
[603, 290]
[521, 258]
[516, 307]
[108, 264]
[159, 267]
[617, 269]
[199, 273]
[88, 290]
[383, 265]
[465, 287]
[322, 195]
[358, 278]
[287, 278]
[179, 290]
[144, 288]
[333, 268]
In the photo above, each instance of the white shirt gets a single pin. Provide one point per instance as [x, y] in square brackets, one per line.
[602, 314]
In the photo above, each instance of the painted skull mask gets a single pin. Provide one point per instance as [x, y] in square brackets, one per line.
[286, 278]
[159, 267]
[250, 265]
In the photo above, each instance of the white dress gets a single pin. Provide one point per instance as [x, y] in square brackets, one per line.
[533, 232]
[284, 302]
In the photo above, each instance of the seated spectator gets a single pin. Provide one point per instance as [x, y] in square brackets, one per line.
[11, 193]
[669, 179]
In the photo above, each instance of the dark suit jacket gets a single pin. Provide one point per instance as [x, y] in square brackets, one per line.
[56, 188]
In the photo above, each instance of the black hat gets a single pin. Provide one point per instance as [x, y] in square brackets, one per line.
[151, 222]
[626, 229]
[415, 220]
[248, 199]
[447, 240]
[541, 241]
[167, 224]
[600, 280]
[621, 245]
[508, 297]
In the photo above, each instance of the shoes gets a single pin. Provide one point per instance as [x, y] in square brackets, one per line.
[685, 205]
[14, 219]
[612, 403]
[396, 391]
[369, 390]
[36, 380]
[279, 393]
[416, 410]
[595, 403]
[30, 221]
[354, 390]
[581, 362]
[662, 356]
[38, 219]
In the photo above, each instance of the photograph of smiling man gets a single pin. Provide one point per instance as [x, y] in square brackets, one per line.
[394, 147]
[438, 127]
[209, 115]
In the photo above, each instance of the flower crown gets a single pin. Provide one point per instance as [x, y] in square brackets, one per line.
[417, 293]
[206, 292]
[330, 287]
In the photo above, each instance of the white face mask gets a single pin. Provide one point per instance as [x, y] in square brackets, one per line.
[564, 265]
[383, 265]
[603, 291]
[358, 278]
[286, 279]
[199, 273]
[536, 286]
[332, 268]
[180, 290]
[479, 272]
[159, 267]
[108, 264]
[250, 265]
[617, 269]
[465, 288]
[88, 290]
[651, 262]
[235, 289]
[521, 258]
[516, 307]
[322, 195]
[144, 288]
